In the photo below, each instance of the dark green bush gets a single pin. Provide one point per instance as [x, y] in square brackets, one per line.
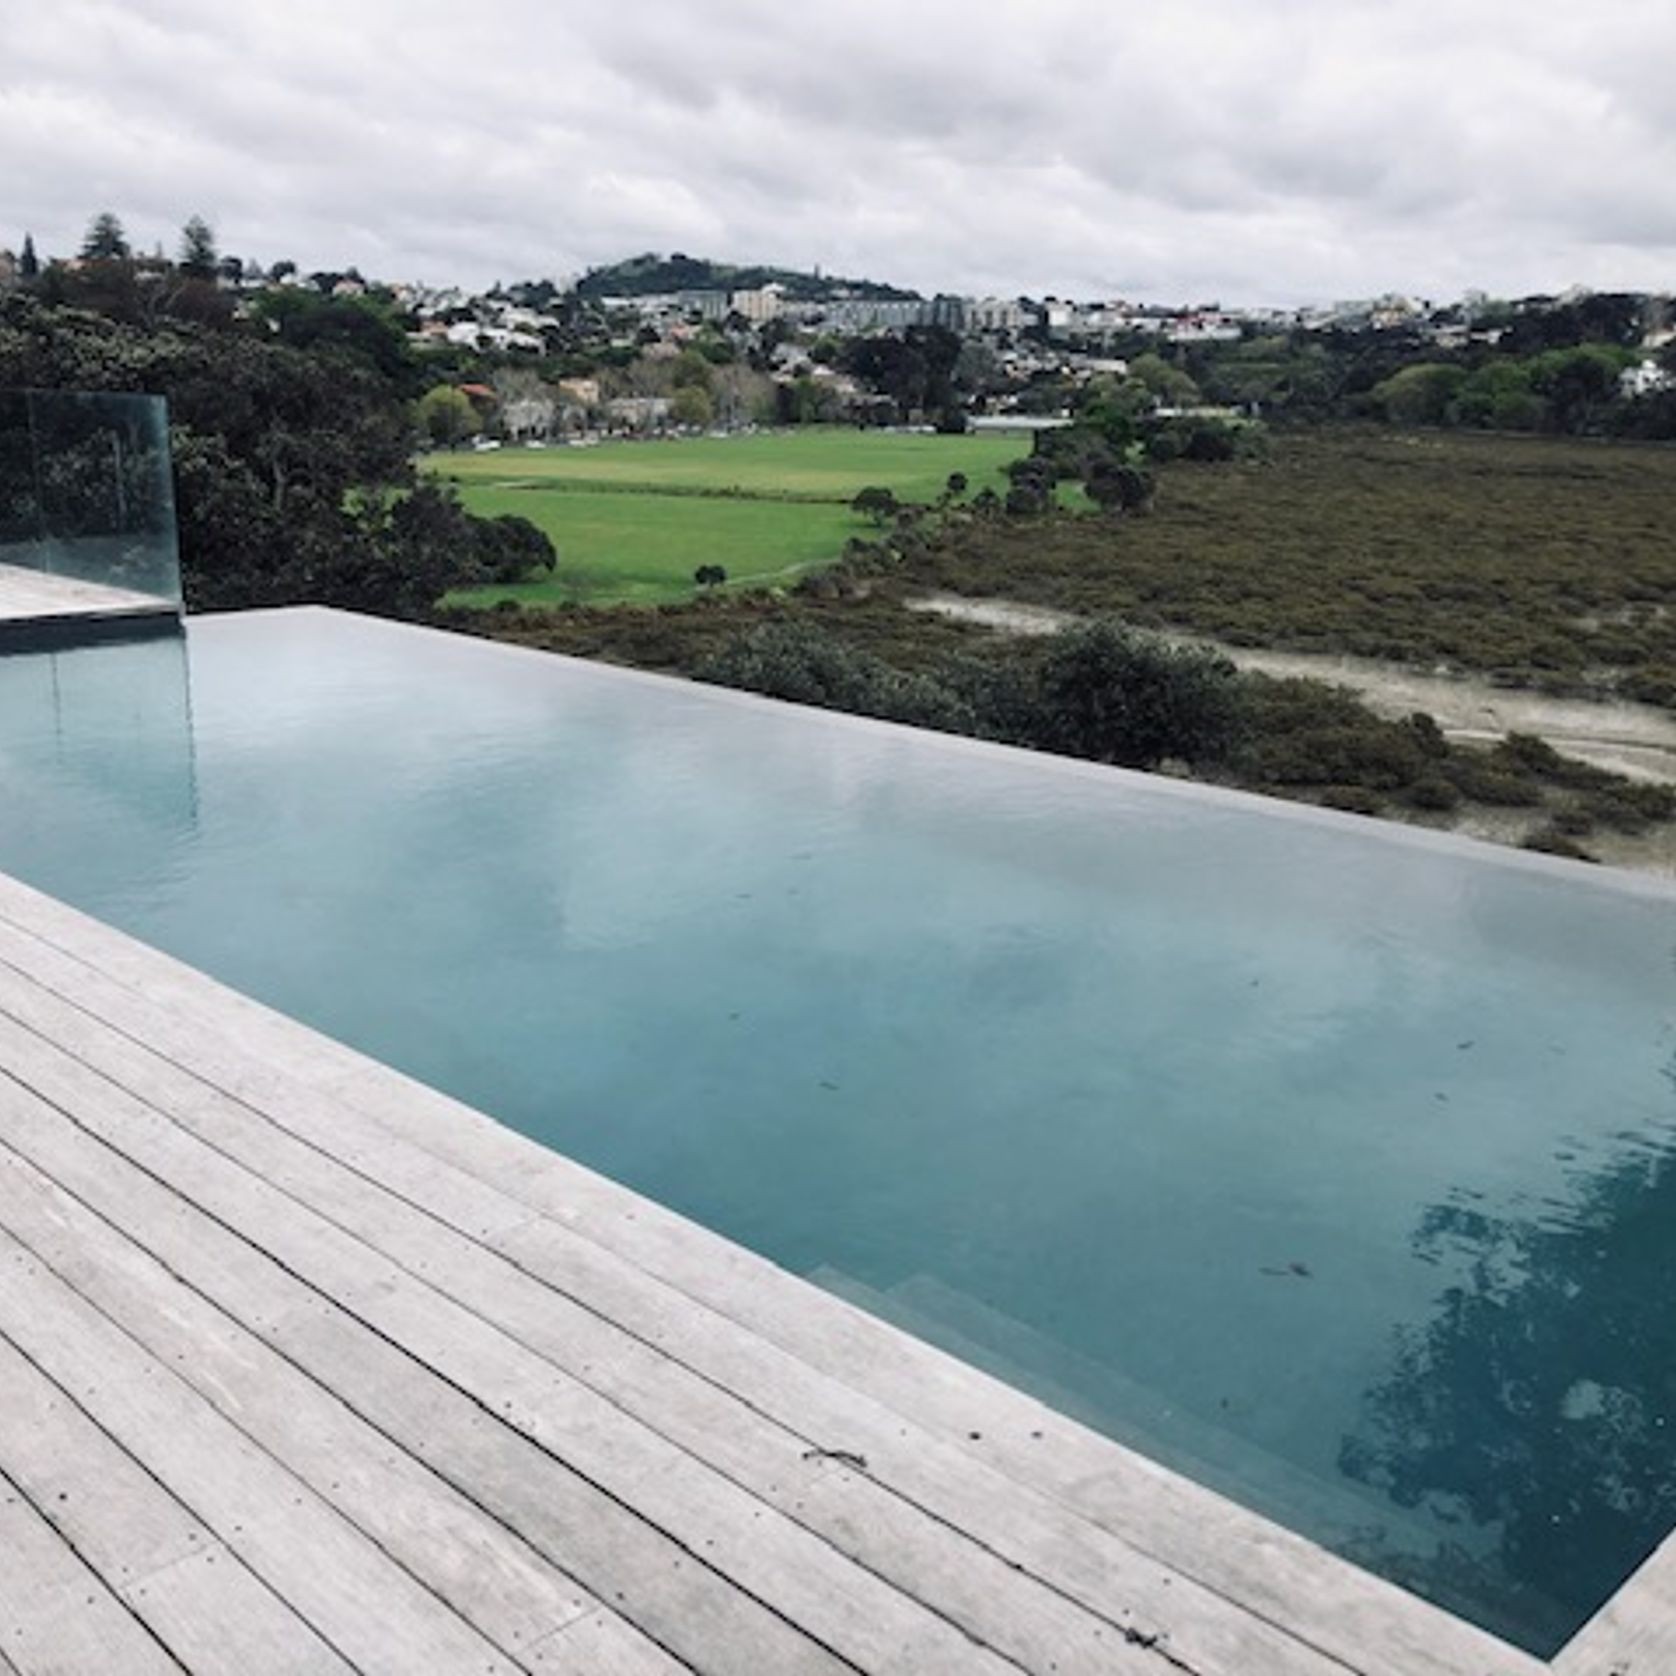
[1549, 840]
[512, 549]
[1482, 781]
[1434, 792]
[1353, 800]
[1108, 693]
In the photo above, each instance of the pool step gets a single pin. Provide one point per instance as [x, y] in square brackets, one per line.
[1006, 1348]
[1123, 1408]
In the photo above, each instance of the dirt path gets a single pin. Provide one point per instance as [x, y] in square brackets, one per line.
[1632, 739]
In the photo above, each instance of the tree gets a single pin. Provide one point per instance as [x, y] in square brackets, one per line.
[1167, 383]
[446, 416]
[915, 370]
[28, 263]
[105, 241]
[956, 485]
[710, 575]
[510, 548]
[1033, 480]
[358, 328]
[873, 502]
[1112, 695]
[198, 255]
[1420, 394]
[692, 407]
[1578, 384]
[1116, 486]
[692, 370]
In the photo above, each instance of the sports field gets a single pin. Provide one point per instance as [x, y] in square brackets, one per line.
[633, 520]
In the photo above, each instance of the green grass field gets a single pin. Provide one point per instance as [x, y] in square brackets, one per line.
[642, 549]
[819, 463]
[633, 520]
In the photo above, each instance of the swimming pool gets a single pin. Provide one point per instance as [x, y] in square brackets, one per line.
[1327, 1163]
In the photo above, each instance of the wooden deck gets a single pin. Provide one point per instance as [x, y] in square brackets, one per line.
[304, 1367]
[36, 599]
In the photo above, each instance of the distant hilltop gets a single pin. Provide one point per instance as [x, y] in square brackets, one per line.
[654, 275]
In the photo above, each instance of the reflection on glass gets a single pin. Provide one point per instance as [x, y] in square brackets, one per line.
[85, 489]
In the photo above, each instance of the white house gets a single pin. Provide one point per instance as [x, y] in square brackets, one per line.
[1648, 379]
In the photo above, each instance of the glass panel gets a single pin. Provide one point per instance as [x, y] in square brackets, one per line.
[86, 491]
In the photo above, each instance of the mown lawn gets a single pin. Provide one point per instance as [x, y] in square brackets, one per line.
[632, 521]
[820, 462]
[642, 549]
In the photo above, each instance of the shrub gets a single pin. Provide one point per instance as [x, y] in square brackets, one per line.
[1209, 441]
[1629, 806]
[1482, 781]
[1549, 840]
[1432, 791]
[509, 548]
[1117, 487]
[805, 664]
[1353, 800]
[1427, 734]
[1116, 696]
[1573, 821]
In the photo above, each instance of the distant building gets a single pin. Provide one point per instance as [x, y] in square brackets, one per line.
[1648, 379]
[949, 313]
[875, 314]
[758, 306]
[993, 314]
[529, 416]
[1203, 328]
[1015, 424]
[638, 413]
[707, 305]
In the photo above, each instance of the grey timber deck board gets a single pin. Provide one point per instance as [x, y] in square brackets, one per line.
[634, 1405]
[57, 1616]
[192, 1593]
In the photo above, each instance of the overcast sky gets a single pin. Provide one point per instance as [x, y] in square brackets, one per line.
[1171, 150]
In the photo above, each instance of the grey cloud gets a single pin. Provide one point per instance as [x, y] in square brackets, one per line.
[1249, 149]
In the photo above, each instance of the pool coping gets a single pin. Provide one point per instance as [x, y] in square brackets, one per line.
[1604, 875]
[1348, 1614]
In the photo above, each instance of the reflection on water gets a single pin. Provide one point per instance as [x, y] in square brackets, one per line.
[96, 744]
[1536, 1410]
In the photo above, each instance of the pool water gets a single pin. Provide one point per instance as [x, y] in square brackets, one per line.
[1328, 1163]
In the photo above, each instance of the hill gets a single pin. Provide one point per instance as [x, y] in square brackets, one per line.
[652, 274]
